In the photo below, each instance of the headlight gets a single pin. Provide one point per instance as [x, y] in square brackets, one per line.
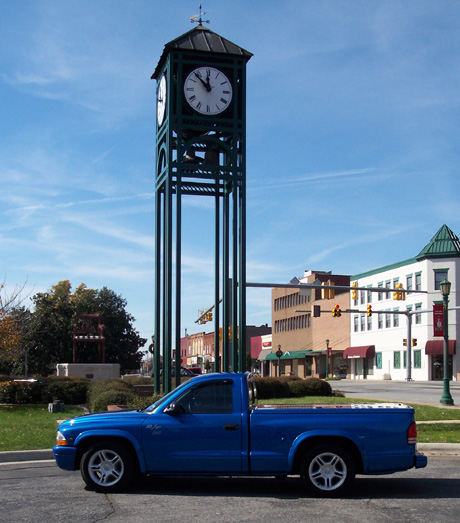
[60, 439]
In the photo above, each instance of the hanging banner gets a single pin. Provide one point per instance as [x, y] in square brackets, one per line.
[438, 320]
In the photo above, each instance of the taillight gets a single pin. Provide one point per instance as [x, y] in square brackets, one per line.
[412, 434]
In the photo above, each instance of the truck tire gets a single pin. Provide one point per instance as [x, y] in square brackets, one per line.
[327, 471]
[107, 467]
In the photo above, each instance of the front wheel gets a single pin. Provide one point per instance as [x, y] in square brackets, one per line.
[327, 471]
[107, 467]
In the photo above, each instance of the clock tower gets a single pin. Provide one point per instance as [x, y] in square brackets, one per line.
[201, 151]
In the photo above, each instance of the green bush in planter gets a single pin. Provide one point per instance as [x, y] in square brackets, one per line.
[310, 387]
[272, 388]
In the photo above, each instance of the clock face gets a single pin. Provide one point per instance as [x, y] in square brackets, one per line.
[161, 100]
[208, 90]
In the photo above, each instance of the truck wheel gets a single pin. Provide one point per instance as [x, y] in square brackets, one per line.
[327, 471]
[107, 467]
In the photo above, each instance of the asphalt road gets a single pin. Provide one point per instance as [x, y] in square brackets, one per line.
[42, 492]
[398, 391]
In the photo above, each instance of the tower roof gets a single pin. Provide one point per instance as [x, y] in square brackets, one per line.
[444, 244]
[202, 40]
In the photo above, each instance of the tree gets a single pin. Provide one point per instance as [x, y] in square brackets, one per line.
[50, 328]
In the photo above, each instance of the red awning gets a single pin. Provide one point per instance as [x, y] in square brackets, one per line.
[436, 347]
[366, 351]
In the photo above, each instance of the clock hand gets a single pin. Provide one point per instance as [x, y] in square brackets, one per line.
[206, 84]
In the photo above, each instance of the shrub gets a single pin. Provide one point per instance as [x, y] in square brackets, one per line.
[272, 388]
[141, 402]
[310, 387]
[98, 387]
[111, 397]
[71, 391]
[20, 391]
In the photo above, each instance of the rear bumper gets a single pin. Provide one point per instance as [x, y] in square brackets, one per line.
[65, 457]
[420, 460]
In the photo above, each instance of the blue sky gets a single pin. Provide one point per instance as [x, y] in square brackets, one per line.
[353, 141]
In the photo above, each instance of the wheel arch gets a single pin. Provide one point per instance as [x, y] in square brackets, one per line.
[342, 441]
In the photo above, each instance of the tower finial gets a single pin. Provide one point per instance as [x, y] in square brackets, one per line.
[198, 19]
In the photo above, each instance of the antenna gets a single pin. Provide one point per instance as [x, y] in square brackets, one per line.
[193, 19]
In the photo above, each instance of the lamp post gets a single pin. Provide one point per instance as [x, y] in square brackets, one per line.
[446, 398]
[279, 353]
[327, 359]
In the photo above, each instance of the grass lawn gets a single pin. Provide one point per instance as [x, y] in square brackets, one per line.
[30, 427]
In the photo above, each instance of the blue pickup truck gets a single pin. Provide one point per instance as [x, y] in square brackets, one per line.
[211, 425]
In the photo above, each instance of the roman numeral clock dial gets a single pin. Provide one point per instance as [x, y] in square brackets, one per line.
[208, 90]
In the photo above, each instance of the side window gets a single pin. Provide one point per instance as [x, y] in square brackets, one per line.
[209, 398]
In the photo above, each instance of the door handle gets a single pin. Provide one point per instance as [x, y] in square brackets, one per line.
[231, 426]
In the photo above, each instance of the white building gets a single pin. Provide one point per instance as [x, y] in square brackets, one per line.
[377, 348]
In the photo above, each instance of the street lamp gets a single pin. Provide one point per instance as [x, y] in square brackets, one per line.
[446, 397]
[279, 353]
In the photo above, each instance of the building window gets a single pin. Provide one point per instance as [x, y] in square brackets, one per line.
[418, 315]
[378, 360]
[417, 359]
[369, 323]
[397, 359]
[418, 281]
[363, 297]
[439, 276]
[380, 284]
[363, 324]
[387, 320]
[396, 318]
[388, 286]
[369, 295]
[405, 359]
[409, 282]
[356, 323]
[380, 321]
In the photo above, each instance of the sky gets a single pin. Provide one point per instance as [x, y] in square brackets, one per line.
[352, 141]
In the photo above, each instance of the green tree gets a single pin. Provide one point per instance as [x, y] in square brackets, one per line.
[50, 328]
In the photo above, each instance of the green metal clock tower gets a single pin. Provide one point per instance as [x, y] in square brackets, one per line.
[201, 151]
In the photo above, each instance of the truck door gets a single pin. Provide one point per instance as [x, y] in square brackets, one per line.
[200, 432]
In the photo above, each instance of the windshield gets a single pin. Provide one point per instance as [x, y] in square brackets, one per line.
[152, 407]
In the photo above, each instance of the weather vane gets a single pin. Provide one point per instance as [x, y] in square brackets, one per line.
[193, 19]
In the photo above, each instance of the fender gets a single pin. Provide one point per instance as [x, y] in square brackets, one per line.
[301, 438]
[106, 434]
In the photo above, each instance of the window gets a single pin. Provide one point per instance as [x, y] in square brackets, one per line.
[397, 359]
[409, 282]
[378, 360]
[380, 284]
[369, 295]
[417, 359]
[363, 297]
[380, 321]
[356, 324]
[388, 286]
[210, 398]
[387, 320]
[418, 281]
[405, 359]
[439, 276]
[363, 324]
[396, 318]
[369, 323]
[418, 315]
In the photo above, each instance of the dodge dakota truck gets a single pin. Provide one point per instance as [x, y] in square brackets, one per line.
[212, 425]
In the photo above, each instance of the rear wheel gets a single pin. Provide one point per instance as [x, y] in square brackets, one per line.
[327, 471]
[107, 467]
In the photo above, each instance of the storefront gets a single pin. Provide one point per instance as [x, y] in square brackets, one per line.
[434, 349]
[361, 360]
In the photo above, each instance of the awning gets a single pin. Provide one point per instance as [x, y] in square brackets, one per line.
[263, 354]
[366, 351]
[289, 354]
[436, 347]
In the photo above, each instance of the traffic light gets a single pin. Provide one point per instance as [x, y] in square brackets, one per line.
[414, 342]
[369, 310]
[405, 342]
[316, 311]
[209, 316]
[399, 294]
[336, 312]
[354, 292]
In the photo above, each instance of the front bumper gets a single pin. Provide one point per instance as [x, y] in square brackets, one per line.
[65, 457]
[420, 460]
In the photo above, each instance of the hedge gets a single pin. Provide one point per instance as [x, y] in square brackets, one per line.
[111, 397]
[71, 391]
[287, 386]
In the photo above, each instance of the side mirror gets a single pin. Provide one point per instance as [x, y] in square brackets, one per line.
[174, 409]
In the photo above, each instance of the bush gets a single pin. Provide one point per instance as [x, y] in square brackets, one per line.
[20, 391]
[141, 402]
[98, 387]
[272, 388]
[310, 387]
[71, 391]
[111, 397]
